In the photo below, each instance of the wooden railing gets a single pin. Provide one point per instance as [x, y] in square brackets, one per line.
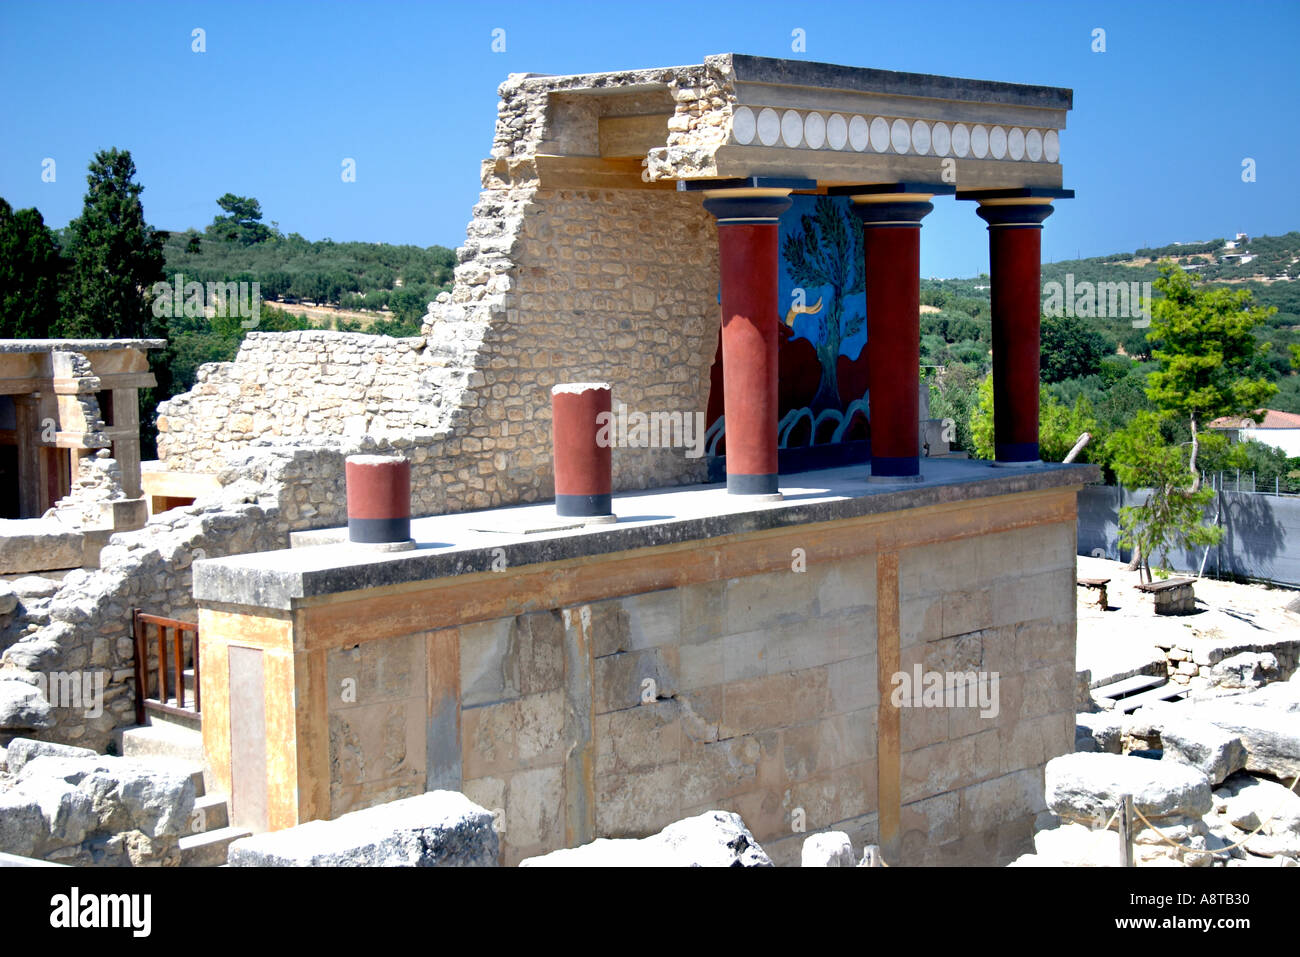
[142, 624]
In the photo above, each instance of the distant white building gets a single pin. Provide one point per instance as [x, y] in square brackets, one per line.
[1279, 429]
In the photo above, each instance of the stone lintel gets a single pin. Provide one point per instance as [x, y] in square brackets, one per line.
[773, 71]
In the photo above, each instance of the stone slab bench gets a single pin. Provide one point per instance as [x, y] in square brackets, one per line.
[1099, 585]
[1173, 596]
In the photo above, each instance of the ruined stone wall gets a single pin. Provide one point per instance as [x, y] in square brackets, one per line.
[81, 628]
[552, 285]
[299, 384]
[607, 285]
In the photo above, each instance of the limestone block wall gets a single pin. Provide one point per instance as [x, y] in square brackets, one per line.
[581, 699]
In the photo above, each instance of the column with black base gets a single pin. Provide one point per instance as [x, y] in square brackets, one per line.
[1015, 218]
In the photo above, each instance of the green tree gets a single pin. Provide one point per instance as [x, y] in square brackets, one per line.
[30, 271]
[1060, 426]
[952, 396]
[116, 256]
[1070, 349]
[981, 421]
[1205, 346]
[1173, 516]
[827, 252]
[242, 222]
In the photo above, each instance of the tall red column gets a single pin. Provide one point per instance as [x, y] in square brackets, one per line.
[1015, 218]
[891, 217]
[748, 260]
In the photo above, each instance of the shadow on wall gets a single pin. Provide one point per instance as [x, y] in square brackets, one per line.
[1261, 533]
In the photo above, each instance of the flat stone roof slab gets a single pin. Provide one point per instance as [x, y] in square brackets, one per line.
[458, 544]
[78, 345]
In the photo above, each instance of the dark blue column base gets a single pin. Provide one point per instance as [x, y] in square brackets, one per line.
[896, 467]
[583, 506]
[378, 531]
[752, 484]
[1013, 453]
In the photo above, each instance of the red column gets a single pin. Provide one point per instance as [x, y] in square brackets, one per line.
[379, 499]
[748, 260]
[891, 243]
[582, 432]
[1015, 241]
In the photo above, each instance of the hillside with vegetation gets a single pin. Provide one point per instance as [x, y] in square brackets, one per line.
[100, 277]
[1095, 368]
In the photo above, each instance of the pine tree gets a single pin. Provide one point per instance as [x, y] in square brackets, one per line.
[30, 269]
[116, 256]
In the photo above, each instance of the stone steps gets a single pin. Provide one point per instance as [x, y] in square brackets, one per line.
[1163, 693]
[1127, 686]
[208, 848]
[160, 739]
[212, 812]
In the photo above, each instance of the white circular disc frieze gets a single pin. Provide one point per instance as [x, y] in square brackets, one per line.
[1016, 143]
[837, 131]
[900, 136]
[858, 136]
[979, 141]
[879, 134]
[769, 127]
[743, 125]
[814, 130]
[1034, 146]
[998, 142]
[940, 139]
[960, 140]
[791, 128]
[1051, 146]
[920, 137]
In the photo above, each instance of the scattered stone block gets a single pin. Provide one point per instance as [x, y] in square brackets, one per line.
[23, 707]
[1074, 845]
[1248, 669]
[1271, 736]
[828, 849]
[38, 544]
[33, 586]
[711, 839]
[1087, 787]
[1250, 801]
[1100, 732]
[1181, 736]
[23, 750]
[434, 829]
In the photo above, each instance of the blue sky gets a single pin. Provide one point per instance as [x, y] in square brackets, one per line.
[1162, 119]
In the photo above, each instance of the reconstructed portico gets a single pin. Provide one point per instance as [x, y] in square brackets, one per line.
[892, 142]
[682, 239]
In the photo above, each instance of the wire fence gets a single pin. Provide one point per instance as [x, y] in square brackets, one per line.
[1240, 481]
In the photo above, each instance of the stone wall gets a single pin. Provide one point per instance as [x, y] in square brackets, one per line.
[552, 285]
[750, 691]
[299, 385]
[83, 629]
[72, 806]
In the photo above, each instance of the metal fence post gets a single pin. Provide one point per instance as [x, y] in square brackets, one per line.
[1126, 830]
